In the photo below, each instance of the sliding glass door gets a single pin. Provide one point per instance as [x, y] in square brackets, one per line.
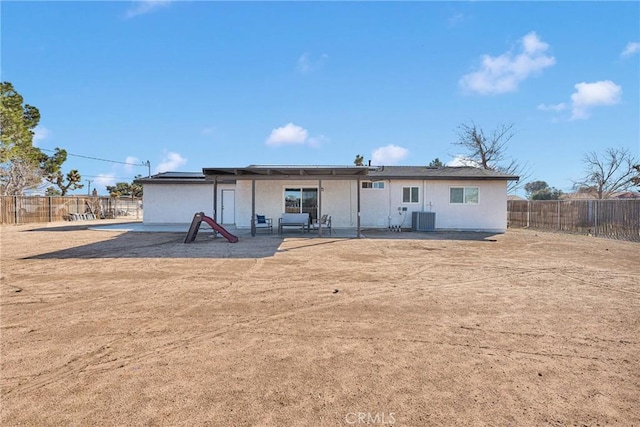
[301, 200]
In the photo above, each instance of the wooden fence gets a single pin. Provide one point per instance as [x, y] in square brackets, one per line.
[617, 219]
[34, 209]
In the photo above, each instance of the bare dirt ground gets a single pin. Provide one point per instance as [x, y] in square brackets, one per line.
[111, 328]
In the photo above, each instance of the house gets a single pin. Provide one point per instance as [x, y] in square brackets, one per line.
[462, 198]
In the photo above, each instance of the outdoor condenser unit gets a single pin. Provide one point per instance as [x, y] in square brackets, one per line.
[423, 221]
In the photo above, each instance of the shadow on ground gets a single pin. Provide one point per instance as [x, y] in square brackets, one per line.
[76, 226]
[137, 244]
[168, 245]
[432, 235]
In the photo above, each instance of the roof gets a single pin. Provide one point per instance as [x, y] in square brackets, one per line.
[262, 172]
[441, 173]
[174, 178]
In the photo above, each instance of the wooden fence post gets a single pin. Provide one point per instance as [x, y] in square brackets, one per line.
[595, 218]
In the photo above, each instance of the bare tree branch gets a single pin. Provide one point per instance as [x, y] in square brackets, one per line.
[18, 175]
[486, 151]
[608, 173]
[489, 152]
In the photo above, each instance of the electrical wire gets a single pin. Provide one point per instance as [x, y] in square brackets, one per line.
[103, 176]
[102, 160]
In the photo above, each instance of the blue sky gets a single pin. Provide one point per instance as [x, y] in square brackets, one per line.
[193, 84]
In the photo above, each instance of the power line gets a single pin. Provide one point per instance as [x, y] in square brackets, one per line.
[107, 177]
[102, 160]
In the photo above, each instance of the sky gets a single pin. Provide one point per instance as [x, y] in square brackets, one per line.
[184, 85]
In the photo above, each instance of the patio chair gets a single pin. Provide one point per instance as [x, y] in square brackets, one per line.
[263, 223]
[325, 221]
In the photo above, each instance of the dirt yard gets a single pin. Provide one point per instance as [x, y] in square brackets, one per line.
[109, 328]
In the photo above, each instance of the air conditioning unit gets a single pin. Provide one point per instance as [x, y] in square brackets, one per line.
[423, 221]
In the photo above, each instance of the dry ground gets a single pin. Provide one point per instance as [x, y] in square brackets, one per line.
[111, 328]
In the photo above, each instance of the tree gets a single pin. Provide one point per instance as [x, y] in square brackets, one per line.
[359, 161]
[17, 122]
[52, 191]
[23, 166]
[19, 159]
[18, 175]
[70, 181]
[489, 151]
[532, 187]
[540, 190]
[607, 173]
[636, 179]
[436, 163]
[51, 167]
[123, 189]
[551, 193]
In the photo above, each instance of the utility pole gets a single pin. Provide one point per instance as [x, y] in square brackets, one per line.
[148, 165]
[89, 188]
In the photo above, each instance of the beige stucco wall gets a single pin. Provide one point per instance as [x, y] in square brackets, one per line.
[338, 200]
[384, 207]
[176, 203]
[490, 214]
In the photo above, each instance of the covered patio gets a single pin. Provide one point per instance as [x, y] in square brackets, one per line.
[314, 175]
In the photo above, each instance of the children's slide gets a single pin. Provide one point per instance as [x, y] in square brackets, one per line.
[220, 229]
[195, 226]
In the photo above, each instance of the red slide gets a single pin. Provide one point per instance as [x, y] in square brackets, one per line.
[217, 227]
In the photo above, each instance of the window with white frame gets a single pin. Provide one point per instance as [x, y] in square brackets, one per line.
[410, 194]
[463, 195]
[376, 185]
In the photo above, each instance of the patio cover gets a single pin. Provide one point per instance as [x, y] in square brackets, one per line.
[257, 172]
[317, 173]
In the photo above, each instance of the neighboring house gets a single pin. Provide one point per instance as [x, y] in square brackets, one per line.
[463, 198]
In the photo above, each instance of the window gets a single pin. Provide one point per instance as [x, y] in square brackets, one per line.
[464, 195]
[410, 195]
[301, 200]
[377, 184]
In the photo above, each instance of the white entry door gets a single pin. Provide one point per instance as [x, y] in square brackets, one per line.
[228, 206]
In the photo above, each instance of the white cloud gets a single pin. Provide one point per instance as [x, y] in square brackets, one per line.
[104, 179]
[306, 65]
[292, 134]
[630, 49]
[40, 134]
[553, 107]
[287, 135]
[590, 95]
[170, 162]
[388, 155]
[142, 7]
[461, 160]
[502, 74]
